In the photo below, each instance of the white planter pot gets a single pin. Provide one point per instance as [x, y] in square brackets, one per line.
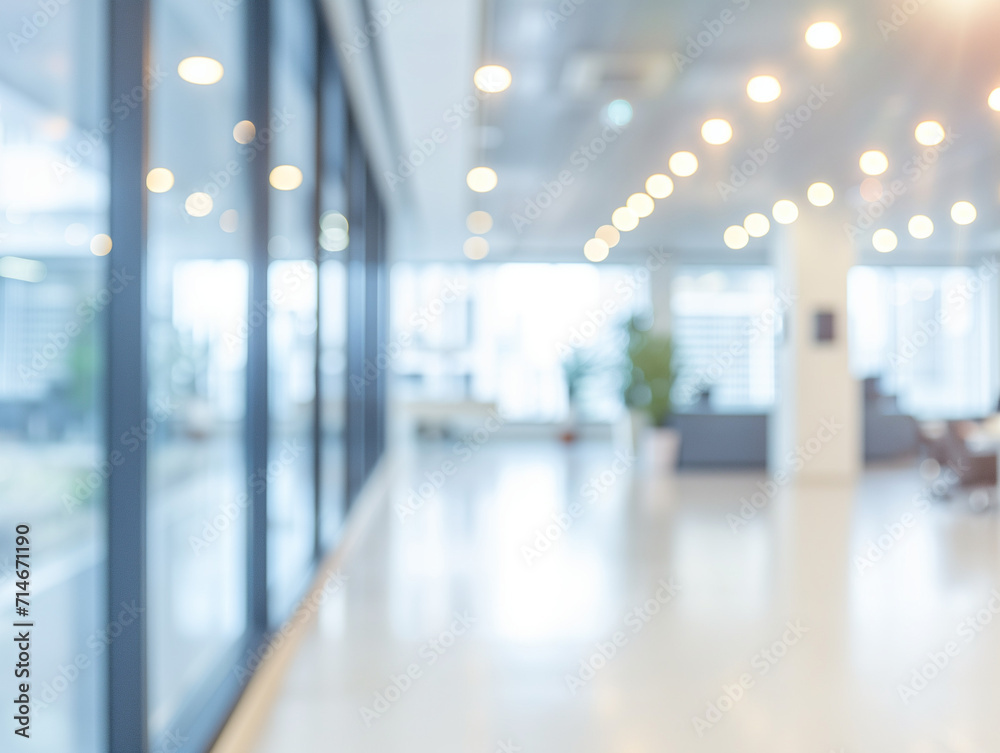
[661, 449]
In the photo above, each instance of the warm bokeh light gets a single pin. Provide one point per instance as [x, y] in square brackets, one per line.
[683, 164]
[964, 213]
[885, 241]
[736, 237]
[609, 234]
[198, 204]
[100, 245]
[994, 100]
[921, 227]
[642, 204]
[785, 212]
[596, 250]
[871, 189]
[757, 225]
[874, 162]
[820, 194]
[200, 70]
[659, 186]
[481, 179]
[625, 219]
[763, 89]
[244, 132]
[229, 221]
[929, 133]
[479, 222]
[159, 180]
[286, 177]
[824, 35]
[717, 131]
[476, 248]
[492, 79]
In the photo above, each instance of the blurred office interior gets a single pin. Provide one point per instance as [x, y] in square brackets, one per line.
[511, 375]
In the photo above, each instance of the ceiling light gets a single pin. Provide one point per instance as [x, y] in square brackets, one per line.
[198, 204]
[625, 219]
[609, 234]
[921, 227]
[620, 112]
[596, 250]
[286, 177]
[736, 237]
[159, 180]
[244, 132]
[929, 133]
[229, 220]
[820, 194]
[492, 79]
[200, 70]
[476, 248]
[874, 162]
[717, 131]
[659, 186]
[785, 212]
[756, 225]
[824, 35]
[994, 100]
[479, 222]
[481, 179]
[640, 203]
[763, 89]
[964, 213]
[885, 241]
[100, 245]
[683, 164]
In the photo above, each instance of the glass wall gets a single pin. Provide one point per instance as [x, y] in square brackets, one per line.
[197, 288]
[55, 285]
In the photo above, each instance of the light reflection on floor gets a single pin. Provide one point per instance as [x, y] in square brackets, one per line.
[478, 547]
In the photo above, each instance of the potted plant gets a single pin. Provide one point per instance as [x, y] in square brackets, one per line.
[650, 374]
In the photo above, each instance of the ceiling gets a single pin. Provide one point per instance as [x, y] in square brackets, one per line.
[569, 60]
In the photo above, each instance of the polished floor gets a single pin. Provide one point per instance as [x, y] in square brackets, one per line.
[547, 598]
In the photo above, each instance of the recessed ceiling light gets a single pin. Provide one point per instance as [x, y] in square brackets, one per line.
[785, 212]
[994, 100]
[609, 234]
[476, 248]
[763, 89]
[479, 222]
[620, 112]
[596, 250]
[200, 70]
[625, 219]
[100, 245]
[229, 221]
[286, 177]
[756, 225]
[198, 204]
[642, 204]
[929, 133]
[659, 186]
[885, 241]
[874, 162]
[244, 132]
[820, 194]
[824, 35]
[159, 180]
[736, 237]
[717, 131]
[683, 164]
[921, 227]
[481, 179]
[492, 79]
[964, 213]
